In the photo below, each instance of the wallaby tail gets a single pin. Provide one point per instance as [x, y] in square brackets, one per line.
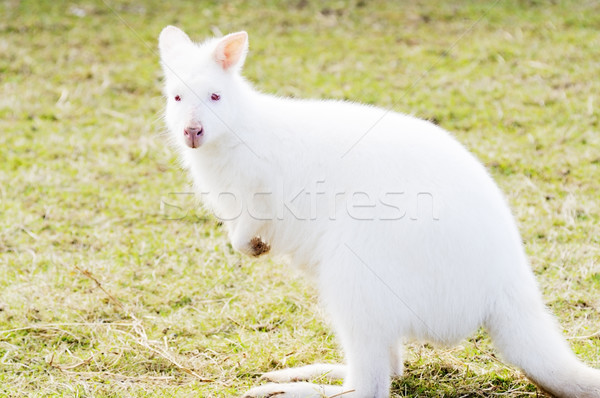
[528, 336]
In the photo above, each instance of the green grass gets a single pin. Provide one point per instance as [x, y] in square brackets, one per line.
[112, 283]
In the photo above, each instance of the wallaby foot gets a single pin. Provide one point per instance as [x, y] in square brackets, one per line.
[318, 371]
[295, 390]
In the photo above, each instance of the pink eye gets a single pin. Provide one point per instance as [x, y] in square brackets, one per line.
[215, 97]
[177, 98]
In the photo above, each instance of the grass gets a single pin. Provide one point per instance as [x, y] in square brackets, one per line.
[113, 283]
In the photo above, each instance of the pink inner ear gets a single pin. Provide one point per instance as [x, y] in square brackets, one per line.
[230, 50]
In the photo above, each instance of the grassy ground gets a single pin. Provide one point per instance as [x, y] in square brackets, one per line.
[113, 284]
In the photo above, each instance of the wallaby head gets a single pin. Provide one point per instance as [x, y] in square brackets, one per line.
[202, 85]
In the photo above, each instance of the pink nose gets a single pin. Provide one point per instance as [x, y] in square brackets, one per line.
[193, 135]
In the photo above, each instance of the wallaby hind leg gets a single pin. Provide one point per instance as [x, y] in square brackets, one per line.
[295, 390]
[397, 359]
[317, 371]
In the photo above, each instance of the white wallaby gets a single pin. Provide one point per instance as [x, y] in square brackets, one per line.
[401, 229]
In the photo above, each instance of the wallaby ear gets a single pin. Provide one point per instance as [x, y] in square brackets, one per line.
[169, 38]
[231, 50]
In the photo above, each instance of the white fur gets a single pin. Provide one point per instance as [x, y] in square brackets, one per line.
[401, 229]
[296, 390]
[307, 373]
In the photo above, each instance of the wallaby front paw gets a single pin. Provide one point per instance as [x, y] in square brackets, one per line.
[258, 246]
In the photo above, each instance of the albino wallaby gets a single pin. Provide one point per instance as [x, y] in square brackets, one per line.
[401, 229]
